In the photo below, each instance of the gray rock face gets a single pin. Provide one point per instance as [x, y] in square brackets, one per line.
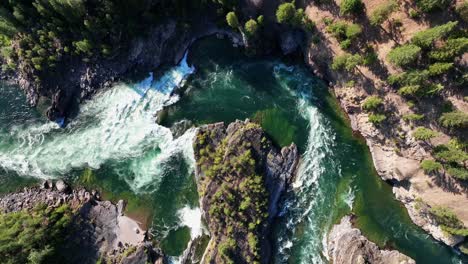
[95, 231]
[346, 245]
[61, 186]
[291, 41]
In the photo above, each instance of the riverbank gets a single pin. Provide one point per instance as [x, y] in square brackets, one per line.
[396, 154]
[97, 231]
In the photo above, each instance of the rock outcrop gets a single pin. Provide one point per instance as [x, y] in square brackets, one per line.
[61, 90]
[241, 176]
[99, 230]
[395, 153]
[346, 245]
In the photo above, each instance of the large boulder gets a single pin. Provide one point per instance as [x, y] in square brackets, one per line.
[346, 245]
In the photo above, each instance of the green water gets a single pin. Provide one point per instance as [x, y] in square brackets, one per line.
[115, 145]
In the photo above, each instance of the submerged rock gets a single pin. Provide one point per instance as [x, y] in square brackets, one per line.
[346, 245]
[241, 176]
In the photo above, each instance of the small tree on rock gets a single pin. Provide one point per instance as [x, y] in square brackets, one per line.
[285, 13]
[424, 134]
[349, 7]
[404, 55]
[251, 27]
[231, 19]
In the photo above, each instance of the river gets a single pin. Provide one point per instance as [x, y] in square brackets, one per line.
[115, 144]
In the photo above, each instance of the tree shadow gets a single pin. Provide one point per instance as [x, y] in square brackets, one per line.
[447, 183]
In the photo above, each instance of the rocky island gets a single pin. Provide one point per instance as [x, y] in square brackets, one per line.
[241, 177]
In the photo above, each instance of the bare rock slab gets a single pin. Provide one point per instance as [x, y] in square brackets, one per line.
[346, 245]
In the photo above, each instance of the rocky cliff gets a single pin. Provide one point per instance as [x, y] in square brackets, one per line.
[395, 152]
[60, 91]
[346, 245]
[241, 176]
[98, 231]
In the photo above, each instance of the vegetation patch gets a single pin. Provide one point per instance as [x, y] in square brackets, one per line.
[235, 191]
[404, 55]
[33, 236]
[448, 221]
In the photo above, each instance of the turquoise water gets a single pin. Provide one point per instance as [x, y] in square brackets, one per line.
[116, 145]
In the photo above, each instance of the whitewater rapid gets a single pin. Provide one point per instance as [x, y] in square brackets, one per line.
[302, 208]
[117, 124]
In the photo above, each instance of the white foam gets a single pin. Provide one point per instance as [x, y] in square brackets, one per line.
[117, 124]
[192, 218]
[349, 197]
[306, 184]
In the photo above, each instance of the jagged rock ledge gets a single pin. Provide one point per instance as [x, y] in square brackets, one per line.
[346, 245]
[240, 176]
[99, 230]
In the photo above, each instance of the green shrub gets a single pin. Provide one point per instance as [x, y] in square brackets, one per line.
[299, 18]
[83, 47]
[450, 154]
[430, 166]
[404, 55]
[440, 68]
[337, 29]
[433, 89]
[425, 38]
[345, 44]
[348, 7]
[350, 83]
[347, 62]
[344, 32]
[451, 49]
[372, 103]
[462, 10]
[260, 20]
[370, 57]
[455, 119]
[381, 13]
[33, 235]
[353, 31]
[458, 172]
[376, 118]
[288, 14]
[285, 13]
[232, 20]
[251, 27]
[448, 220]
[253, 241]
[413, 77]
[432, 5]
[422, 133]
[410, 90]
[414, 13]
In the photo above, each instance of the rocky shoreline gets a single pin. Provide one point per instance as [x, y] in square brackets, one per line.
[395, 153]
[165, 44]
[99, 230]
[346, 245]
